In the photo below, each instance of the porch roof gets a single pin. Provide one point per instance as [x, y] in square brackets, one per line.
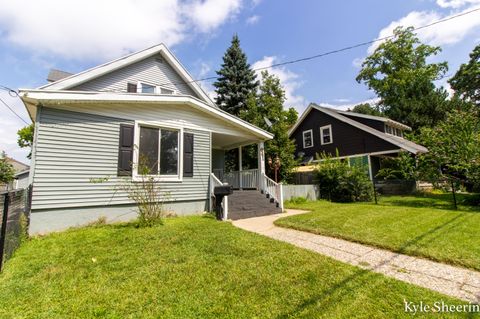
[33, 98]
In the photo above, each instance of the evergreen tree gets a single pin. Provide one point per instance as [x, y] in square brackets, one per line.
[236, 81]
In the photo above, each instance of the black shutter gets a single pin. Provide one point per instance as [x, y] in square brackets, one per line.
[131, 88]
[125, 150]
[187, 155]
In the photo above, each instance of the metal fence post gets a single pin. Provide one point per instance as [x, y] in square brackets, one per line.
[3, 230]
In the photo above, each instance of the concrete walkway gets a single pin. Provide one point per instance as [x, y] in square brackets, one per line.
[449, 280]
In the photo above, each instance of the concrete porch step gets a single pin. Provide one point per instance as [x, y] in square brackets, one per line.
[250, 203]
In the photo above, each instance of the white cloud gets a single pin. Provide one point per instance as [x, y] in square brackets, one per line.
[350, 106]
[105, 29]
[448, 32]
[357, 62]
[204, 71]
[341, 100]
[253, 20]
[210, 14]
[10, 124]
[289, 80]
[456, 3]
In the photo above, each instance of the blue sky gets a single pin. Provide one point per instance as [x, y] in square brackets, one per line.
[74, 35]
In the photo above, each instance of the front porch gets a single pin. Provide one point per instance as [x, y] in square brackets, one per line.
[252, 187]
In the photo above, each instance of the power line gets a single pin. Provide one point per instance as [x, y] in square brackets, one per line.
[7, 106]
[316, 56]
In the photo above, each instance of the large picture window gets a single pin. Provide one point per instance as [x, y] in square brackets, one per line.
[158, 152]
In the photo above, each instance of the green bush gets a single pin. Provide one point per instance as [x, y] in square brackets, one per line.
[339, 182]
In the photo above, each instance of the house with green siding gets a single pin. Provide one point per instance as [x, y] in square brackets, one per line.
[97, 124]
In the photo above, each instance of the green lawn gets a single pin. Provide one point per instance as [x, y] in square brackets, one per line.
[415, 225]
[191, 267]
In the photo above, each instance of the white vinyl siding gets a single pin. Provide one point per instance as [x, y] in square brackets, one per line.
[74, 148]
[150, 71]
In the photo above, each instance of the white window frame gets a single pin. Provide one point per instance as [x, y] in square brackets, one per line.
[329, 127]
[136, 151]
[158, 88]
[311, 138]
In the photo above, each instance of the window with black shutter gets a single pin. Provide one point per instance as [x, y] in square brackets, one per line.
[188, 154]
[125, 150]
[131, 88]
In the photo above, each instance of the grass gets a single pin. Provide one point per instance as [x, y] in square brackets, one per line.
[424, 225]
[191, 267]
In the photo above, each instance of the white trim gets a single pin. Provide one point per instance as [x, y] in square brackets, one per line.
[32, 98]
[157, 88]
[95, 72]
[364, 154]
[398, 141]
[31, 176]
[311, 138]
[370, 172]
[329, 127]
[158, 178]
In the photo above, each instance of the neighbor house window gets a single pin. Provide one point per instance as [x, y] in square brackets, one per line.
[393, 131]
[307, 139]
[158, 151]
[153, 89]
[326, 135]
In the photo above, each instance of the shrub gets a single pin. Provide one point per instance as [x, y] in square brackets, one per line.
[339, 182]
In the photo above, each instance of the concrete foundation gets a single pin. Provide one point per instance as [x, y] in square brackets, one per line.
[52, 220]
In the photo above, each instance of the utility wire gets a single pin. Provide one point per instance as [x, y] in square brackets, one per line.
[334, 51]
[316, 56]
[8, 106]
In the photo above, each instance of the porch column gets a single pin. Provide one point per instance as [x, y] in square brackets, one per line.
[240, 167]
[261, 165]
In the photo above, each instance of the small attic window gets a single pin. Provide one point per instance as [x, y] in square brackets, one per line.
[153, 89]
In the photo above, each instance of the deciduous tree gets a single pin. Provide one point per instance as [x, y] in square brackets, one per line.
[399, 74]
[466, 82]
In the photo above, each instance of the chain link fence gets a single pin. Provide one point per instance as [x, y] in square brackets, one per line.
[15, 216]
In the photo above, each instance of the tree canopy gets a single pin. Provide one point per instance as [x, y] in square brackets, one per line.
[7, 172]
[266, 111]
[366, 108]
[25, 137]
[236, 81]
[399, 74]
[453, 150]
[466, 82]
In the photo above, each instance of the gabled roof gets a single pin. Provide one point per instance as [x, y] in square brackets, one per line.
[95, 72]
[376, 118]
[32, 98]
[395, 140]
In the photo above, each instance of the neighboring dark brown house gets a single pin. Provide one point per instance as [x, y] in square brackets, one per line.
[357, 137]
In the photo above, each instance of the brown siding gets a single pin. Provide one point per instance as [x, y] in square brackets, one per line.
[348, 139]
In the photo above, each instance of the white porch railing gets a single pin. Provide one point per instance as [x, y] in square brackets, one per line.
[214, 182]
[274, 190]
[242, 179]
[248, 179]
